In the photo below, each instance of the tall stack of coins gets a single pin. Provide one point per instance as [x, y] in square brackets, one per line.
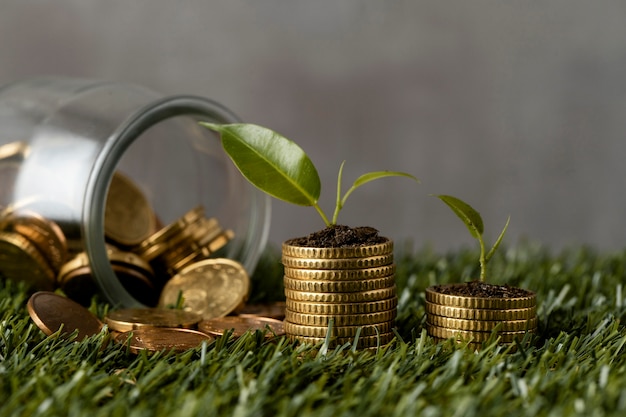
[346, 291]
[475, 319]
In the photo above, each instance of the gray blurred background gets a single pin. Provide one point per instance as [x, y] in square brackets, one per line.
[518, 107]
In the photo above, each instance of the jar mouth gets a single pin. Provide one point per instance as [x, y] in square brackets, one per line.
[105, 165]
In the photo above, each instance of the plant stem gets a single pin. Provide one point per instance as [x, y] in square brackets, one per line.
[319, 210]
[483, 259]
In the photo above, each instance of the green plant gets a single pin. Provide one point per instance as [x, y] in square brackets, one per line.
[280, 168]
[474, 224]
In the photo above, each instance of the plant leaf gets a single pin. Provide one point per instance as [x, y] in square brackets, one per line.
[271, 162]
[465, 212]
[371, 176]
[495, 245]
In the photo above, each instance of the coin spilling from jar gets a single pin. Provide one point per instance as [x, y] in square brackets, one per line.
[143, 256]
[149, 329]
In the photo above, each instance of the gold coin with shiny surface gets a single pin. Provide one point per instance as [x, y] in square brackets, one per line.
[341, 297]
[159, 242]
[240, 325]
[345, 263]
[128, 216]
[340, 319]
[21, 261]
[487, 303]
[482, 325]
[481, 314]
[340, 275]
[44, 234]
[337, 253]
[342, 308]
[474, 336]
[52, 312]
[127, 319]
[339, 286]
[210, 288]
[339, 331]
[163, 339]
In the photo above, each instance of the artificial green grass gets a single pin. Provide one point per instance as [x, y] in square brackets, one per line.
[575, 365]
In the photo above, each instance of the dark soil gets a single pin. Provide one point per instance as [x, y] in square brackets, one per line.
[338, 236]
[484, 290]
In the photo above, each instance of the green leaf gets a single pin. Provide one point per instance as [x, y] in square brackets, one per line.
[364, 179]
[465, 212]
[271, 162]
[371, 176]
[495, 245]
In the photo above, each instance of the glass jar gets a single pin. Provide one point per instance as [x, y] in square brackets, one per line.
[63, 141]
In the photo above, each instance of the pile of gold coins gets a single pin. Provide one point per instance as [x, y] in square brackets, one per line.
[142, 329]
[476, 319]
[340, 293]
[144, 255]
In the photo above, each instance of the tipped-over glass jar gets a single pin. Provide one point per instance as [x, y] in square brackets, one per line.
[112, 177]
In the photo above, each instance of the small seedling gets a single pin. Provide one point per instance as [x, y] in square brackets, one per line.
[474, 224]
[280, 168]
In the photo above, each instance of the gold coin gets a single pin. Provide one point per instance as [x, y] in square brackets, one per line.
[340, 319]
[275, 310]
[51, 312]
[211, 288]
[76, 280]
[127, 319]
[482, 325]
[481, 314]
[199, 253]
[44, 234]
[346, 263]
[478, 302]
[128, 217]
[341, 297]
[163, 338]
[240, 325]
[339, 331]
[21, 261]
[362, 341]
[475, 336]
[342, 308]
[339, 286]
[165, 238]
[340, 275]
[337, 253]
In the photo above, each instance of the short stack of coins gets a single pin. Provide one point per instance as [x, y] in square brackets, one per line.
[340, 292]
[477, 319]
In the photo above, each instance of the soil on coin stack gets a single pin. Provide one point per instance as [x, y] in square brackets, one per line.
[339, 236]
[482, 289]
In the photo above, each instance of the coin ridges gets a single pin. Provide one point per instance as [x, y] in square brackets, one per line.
[339, 286]
[339, 319]
[337, 253]
[340, 275]
[479, 302]
[475, 336]
[342, 308]
[482, 325]
[343, 263]
[341, 297]
[338, 331]
[480, 314]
